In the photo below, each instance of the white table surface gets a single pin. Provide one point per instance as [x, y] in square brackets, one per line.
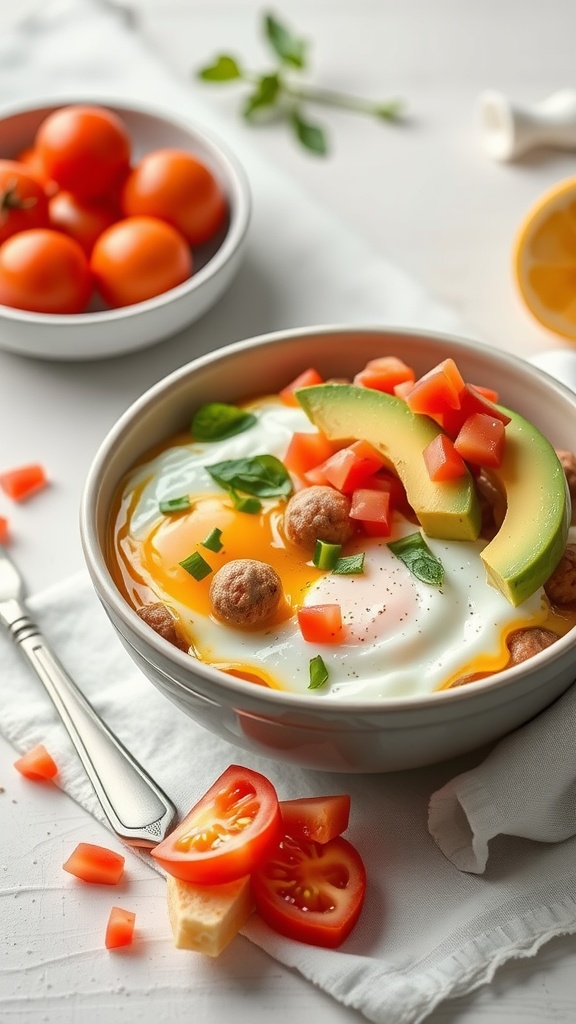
[426, 197]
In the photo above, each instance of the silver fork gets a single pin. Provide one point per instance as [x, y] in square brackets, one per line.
[136, 808]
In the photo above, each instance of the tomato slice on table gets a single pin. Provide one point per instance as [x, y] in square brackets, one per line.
[311, 892]
[320, 818]
[231, 829]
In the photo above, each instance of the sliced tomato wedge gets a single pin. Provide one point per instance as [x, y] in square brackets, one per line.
[96, 864]
[227, 833]
[303, 380]
[311, 892]
[37, 764]
[120, 928]
[316, 818]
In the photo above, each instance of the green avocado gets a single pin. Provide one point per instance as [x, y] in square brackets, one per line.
[347, 412]
[533, 535]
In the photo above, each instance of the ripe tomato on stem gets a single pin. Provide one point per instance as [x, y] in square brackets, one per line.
[85, 149]
[231, 830]
[23, 202]
[44, 271]
[138, 258]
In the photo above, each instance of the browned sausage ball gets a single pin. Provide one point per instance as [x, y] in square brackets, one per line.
[568, 461]
[561, 586]
[318, 513]
[525, 643]
[246, 592]
[163, 622]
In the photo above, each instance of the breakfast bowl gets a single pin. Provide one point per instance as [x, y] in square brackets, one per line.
[268, 707]
[102, 329]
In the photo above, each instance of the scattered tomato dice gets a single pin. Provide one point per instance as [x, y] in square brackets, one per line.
[120, 928]
[481, 440]
[303, 380]
[385, 374]
[95, 864]
[20, 483]
[437, 391]
[4, 534]
[352, 466]
[321, 623]
[37, 764]
[442, 460]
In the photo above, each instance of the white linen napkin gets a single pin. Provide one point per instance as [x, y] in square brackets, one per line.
[429, 931]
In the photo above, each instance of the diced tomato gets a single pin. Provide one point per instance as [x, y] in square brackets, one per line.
[303, 380]
[96, 864]
[4, 534]
[442, 460]
[471, 401]
[438, 390]
[316, 476]
[481, 440]
[352, 466]
[22, 482]
[306, 451]
[373, 509]
[488, 393]
[37, 764]
[311, 892]
[384, 374]
[316, 818]
[321, 623]
[231, 829]
[120, 928]
[404, 389]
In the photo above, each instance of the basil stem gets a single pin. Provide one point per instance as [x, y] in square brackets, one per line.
[419, 559]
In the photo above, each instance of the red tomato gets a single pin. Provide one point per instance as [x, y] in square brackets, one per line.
[81, 219]
[438, 390]
[23, 202]
[311, 892]
[307, 450]
[471, 401]
[352, 467]
[137, 258]
[481, 440]
[304, 380]
[4, 531]
[37, 764]
[34, 166]
[231, 829]
[442, 460]
[120, 928]
[95, 864]
[385, 374]
[321, 623]
[317, 818]
[85, 149]
[177, 187]
[44, 271]
[23, 481]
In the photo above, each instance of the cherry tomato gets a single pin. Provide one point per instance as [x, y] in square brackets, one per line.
[233, 827]
[85, 149]
[320, 818]
[82, 219]
[23, 203]
[177, 187]
[137, 258]
[44, 271]
[311, 892]
[34, 166]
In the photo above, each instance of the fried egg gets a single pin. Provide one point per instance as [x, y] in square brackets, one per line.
[400, 636]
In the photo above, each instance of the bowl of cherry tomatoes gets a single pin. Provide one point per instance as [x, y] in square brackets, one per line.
[119, 226]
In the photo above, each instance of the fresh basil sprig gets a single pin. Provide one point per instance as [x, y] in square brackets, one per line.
[274, 92]
[262, 475]
[216, 421]
[419, 559]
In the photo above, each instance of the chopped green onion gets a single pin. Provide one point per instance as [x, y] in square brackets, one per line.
[212, 541]
[197, 566]
[325, 554]
[217, 421]
[349, 565]
[318, 673]
[419, 559]
[250, 505]
[172, 505]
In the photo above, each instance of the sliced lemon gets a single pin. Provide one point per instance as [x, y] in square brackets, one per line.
[545, 259]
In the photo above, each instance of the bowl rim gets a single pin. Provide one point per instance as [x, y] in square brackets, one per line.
[278, 699]
[240, 204]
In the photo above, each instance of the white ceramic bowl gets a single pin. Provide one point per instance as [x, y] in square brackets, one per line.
[100, 333]
[352, 735]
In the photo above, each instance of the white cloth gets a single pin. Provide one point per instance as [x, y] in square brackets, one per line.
[429, 931]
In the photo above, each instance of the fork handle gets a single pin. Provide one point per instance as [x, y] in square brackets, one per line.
[136, 808]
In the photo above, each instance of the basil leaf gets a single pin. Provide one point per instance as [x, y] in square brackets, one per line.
[419, 559]
[250, 505]
[289, 48]
[311, 136]
[262, 475]
[265, 95]
[349, 565]
[217, 421]
[224, 69]
[318, 673]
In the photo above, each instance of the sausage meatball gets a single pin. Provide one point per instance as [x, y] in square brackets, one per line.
[246, 592]
[318, 513]
[525, 643]
[568, 461]
[561, 586]
[163, 622]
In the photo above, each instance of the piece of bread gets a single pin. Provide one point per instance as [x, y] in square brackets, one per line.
[205, 918]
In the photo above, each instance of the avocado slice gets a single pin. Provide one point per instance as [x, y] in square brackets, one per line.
[347, 412]
[533, 535]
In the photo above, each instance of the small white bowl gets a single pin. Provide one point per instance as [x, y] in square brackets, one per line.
[100, 333]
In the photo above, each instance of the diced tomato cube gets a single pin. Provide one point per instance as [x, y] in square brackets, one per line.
[22, 482]
[488, 393]
[37, 764]
[481, 440]
[316, 476]
[307, 450]
[303, 380]
[316, 818]
[372, 507]
[471, 401]
[321, 623]
[384, 374]
[120, 928]
[4, 534]
[96, 864]
[351, 467]
[403, 390]
[442, 460]
[438, 390]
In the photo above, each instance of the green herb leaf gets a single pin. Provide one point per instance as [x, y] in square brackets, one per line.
[419, 559]
[250, 505]
[173, 505]
[265, 95]
[262, 475]
[290, 48]
[318, 673]
[196, 565]
[217, 421]
[311, 136]
[326, 555]
[350, 565]
[213, 541]
[224, 69]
